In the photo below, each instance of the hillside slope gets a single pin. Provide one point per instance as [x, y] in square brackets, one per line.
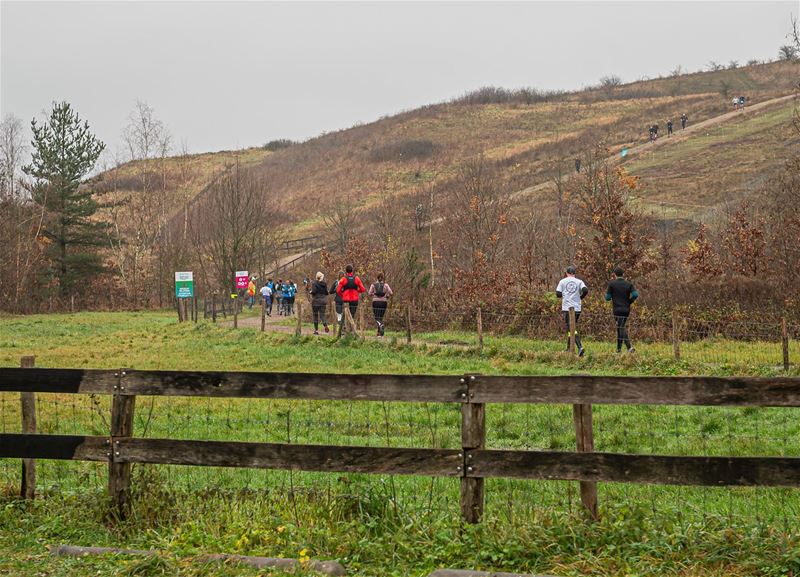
[528, 142]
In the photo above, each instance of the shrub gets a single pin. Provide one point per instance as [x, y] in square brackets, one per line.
[278, 144]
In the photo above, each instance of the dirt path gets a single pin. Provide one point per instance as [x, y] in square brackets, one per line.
[679, 135]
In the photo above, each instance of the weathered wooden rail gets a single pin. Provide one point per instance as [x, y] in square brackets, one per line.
[472, 463]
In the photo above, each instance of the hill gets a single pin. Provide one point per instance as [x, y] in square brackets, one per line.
[525, 134]
[527, 140]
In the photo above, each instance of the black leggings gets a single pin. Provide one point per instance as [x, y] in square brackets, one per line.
[378, 311]
[566, 322]
[622, 332]
[318, 315]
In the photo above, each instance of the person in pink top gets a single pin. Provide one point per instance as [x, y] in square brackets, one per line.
[380, 291]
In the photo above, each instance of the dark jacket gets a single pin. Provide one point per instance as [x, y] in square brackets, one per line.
[319, 292]
[621, 293]
[336, 298]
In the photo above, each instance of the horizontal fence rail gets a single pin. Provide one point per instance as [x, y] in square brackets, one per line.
[472, 463]
[708, 391]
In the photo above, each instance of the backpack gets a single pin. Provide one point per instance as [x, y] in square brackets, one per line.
[350, 284]
[380, 289]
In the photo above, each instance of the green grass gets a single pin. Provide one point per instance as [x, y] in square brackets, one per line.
[389, 525]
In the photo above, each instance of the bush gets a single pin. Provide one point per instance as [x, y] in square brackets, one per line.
[278, 144]
[497, 95]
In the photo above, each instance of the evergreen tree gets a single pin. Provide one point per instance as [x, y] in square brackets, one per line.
[64, 152]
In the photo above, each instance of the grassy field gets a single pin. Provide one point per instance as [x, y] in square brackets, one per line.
[388, 525]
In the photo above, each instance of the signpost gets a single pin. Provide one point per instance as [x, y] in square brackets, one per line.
[184, 285]
[242, 278]
[184, 289]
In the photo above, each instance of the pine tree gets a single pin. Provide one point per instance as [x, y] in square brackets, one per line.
[64, 152]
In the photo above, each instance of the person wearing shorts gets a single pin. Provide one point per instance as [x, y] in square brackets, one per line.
[572, 290]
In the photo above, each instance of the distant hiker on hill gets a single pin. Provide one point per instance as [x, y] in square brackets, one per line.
[319, 302]
[266, 296]
[735, 102]
[349, 288]
[651, 133]
[577, 165]
[669, 127]
[742, 101]
[380, 291]
[621, 293]
[337, 299]
[655, 131]
[571, 290]
[251, 292]
[684, 120]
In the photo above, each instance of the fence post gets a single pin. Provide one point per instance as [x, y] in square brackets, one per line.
[584, 439]
[180, 312]
[299, 328]
[194, 306]
[676, 337]
[263, 314]
[119, 474]
[785, 343]
[473, 437]
[571, 317]
[408, 323]
[479, 322]
[235, 312]
[214, 307]
[361, 321]
[349, 321]
[28, 406]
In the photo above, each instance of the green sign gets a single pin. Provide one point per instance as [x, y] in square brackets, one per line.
[184, 285]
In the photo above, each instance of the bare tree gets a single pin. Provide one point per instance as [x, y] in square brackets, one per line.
[480, 216]
[788, 52]
[339, 220]
[138, 216]
[20, 221]
[12, 151]
[609, 83]
[235, 227]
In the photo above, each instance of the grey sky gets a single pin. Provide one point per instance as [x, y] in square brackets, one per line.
[226, 75]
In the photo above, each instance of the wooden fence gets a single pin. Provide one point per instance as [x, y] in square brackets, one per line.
[472, 463]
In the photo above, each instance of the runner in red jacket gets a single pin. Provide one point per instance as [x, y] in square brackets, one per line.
[349, 288]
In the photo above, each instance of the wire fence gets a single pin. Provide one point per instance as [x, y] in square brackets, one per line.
[704, 346]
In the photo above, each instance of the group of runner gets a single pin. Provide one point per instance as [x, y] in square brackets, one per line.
[348, 288]
[653, 130]
[282, 292]
[620, 292]
[346, 291]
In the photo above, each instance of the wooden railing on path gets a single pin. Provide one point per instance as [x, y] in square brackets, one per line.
[472, 463]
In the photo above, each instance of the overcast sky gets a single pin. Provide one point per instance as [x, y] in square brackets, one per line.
[225, 75]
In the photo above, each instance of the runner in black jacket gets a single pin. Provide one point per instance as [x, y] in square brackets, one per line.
[621, 293]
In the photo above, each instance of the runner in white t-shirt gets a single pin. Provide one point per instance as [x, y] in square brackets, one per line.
[571, 290]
